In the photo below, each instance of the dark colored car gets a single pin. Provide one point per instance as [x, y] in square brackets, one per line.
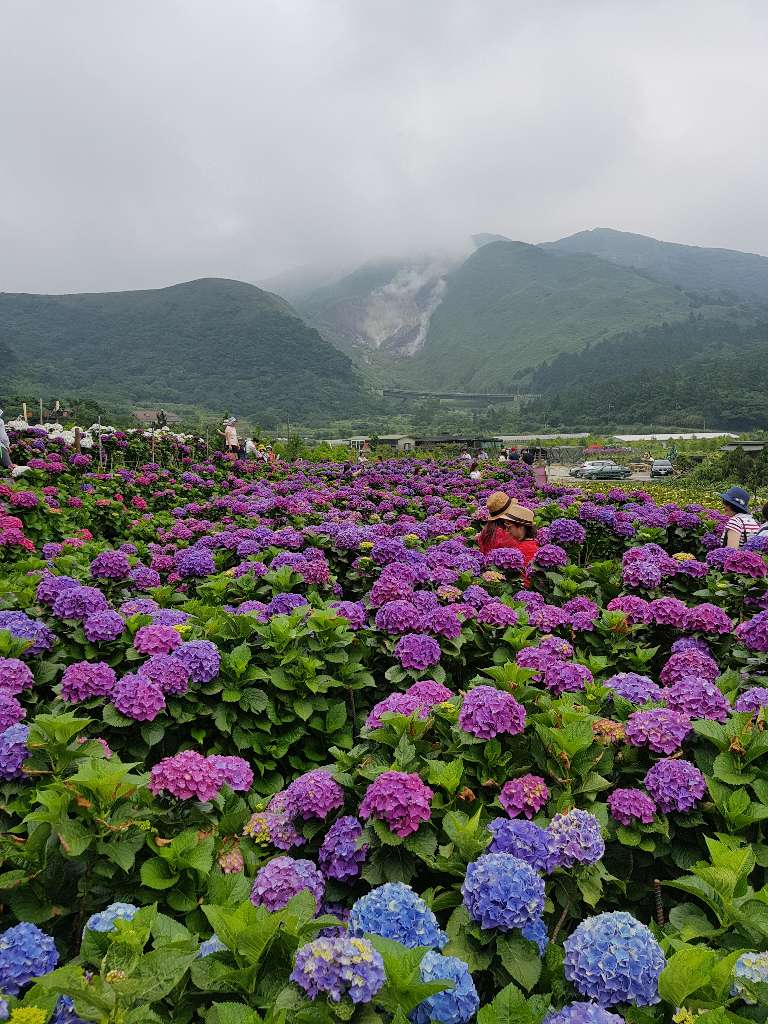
[614, 472]
[662, 467]
[590, 464]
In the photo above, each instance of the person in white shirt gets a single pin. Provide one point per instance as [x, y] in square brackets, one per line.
[741, 526]
[230, 436]
[474, 472]
[5, 445]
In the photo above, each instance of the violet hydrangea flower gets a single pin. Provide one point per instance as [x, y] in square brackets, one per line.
[487, 712]
[399, 799]
[15, 676]
[235, 771]
[283, 878]
[156, 639]
[13, 751]
[138, 698]
[576, 838]
[339, 968]
[502, 891]
[635, 688]
[660, 729]
[566, 677]
[526, 795]
[417, 651]
[525, 840]
[187, 775]
[628, 806]
[200, 658]
[103, 627]
[697, 698]
[675, 785]
[315, 794]
[83, 680]
[342, 854]
[110, 565]
[753, 699]
[167, 673]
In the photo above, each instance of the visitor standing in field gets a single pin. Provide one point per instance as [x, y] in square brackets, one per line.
[474, 472]
[230, 436]
[5, 446]
[509, 525]
[741, 525]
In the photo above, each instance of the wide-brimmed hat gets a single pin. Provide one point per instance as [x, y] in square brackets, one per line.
[737, 497]
[501, 506]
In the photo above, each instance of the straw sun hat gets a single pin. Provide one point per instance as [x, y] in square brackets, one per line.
[501, 506]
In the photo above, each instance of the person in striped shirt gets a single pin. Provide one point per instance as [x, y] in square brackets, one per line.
[741, 525]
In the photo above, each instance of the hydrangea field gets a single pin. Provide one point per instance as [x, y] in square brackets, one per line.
[279, 745]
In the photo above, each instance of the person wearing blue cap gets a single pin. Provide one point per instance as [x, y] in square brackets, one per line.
[741, 526]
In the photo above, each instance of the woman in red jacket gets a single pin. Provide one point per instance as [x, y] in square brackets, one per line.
[509, 525]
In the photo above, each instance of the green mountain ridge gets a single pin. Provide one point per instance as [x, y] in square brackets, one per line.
[212, 342]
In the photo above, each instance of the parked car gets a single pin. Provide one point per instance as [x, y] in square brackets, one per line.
[590, 464]
[609, 472]
[662, 467]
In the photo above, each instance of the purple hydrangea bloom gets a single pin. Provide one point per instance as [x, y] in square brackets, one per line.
[566, 677]
[689, 643]
[156, 639]
[315, 794]
[145, 578]
[660, 729]
[200, 658]
[636, 609]
[525, 840]
[353, 611]
[138, 698]
[284, 604]
[526, 795]
[339, 968]
[11, 712]
[445, 622]
[487, 712]
[689, 662]
[13, 751]
[428, 693]
[753, 699]
[506, 559]
[613, 958]
[167, 673]
[583, 613]
[697, 698]
[708, 618]
[169, 617]
[633, 687]
[398, 617]
[194, 562]
[342, 855]
[547, 617]
[502, 891]
[675, 785]
[669, 611]
[15, 676]
[630, 805]
[399, 799]
[139, 606]
[550, 556]
[417, 651]
[566, 531]
[187, 775]
[78, 603]
[283, 878]
[753, 633]
[394, 704]
[576, 838]
[103, 627]
[22, 627]
[496, 613]
[110, 565]
[26, 953]
[49, 588]
[235, 771]
[270, 827]
[583, 1013]
[83, 680]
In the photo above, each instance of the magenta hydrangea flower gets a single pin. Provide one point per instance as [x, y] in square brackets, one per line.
[550, 556]
[697, 698]
[636, 609]
[496, 613]
[283, 878]
[398, 617]
[77, 603]
[669, 611]
[200, 658]
[83, 680]
[428, 692]
[399, 799]
[156, 639]
[630, 805]
[754, 632]
[566, 677]
[235, 771]
[167, 673]
[394, 704]
[11, 712]
[138, 698]
[526, 796]
[708, 618]
[660, 729]
[487, 712]
[315, 794]
[675, 785]
[15, 676]
[417, 651]
[187, 775]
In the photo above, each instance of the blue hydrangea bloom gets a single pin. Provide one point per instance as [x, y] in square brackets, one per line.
[25, 953]
[583, 1013]
[536, 932]
[394, 911]
[4, 1010]
[64, 1012]
[576, 838]
[525, 840]
[613, 958]
[104, 921]
[212, 945]
[13, 751]
[750, 967]
[502, 891]
[453, 1005]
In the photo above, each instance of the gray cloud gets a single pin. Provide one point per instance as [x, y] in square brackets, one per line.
[154, 141]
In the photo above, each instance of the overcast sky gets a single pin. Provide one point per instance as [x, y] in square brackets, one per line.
[145, 142]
